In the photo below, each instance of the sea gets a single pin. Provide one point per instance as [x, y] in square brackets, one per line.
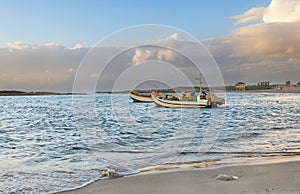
[56, 143]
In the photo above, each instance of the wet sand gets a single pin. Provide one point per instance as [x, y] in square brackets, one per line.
[275, 178]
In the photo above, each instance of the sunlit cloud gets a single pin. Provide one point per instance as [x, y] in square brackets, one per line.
[274, 43]
[277, 11]
[18, 46]
[141, 55]
[165, 54]
[77, 46]
[38, 67]
[174, 36]
[268, 40]
[51, 44]
[282, 11]
[254, 14]
[161, 54]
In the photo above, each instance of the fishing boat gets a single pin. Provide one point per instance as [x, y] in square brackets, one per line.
[188, 100]
[140, 97]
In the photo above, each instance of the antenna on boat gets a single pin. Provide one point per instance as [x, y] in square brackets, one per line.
[200, 82]
[155, 88]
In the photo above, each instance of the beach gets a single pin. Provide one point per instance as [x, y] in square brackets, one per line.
[279, 177]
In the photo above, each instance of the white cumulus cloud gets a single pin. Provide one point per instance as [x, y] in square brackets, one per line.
[77, 46]
[51, 44]
[277, 11]
[165, 54]
[162, 54]
[282, 11]
[18, 45]
[141, 55]
[174, 36]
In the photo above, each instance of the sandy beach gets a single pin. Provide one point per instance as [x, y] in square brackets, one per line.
[280, 178]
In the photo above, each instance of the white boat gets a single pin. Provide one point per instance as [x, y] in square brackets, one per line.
[207, 101]
[139, 97]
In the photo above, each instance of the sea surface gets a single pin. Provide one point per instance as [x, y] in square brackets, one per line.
[55, 143]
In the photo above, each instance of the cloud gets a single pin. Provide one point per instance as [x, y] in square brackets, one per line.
[253, 53]
[141, 55]
[268, 40]
[161, 52]
[77, 46]
[277, 11]
[282, 11]
[152, 53]
[165, 54]
[38, 67]
[18, 46]
[239, 60]
[174, 36]
[21, 46]
[271, 48]
[51, 45]
[253, 14]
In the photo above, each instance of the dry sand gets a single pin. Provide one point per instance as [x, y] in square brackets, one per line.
[280, 178]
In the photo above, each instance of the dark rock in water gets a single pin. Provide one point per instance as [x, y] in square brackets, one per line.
[112, 174]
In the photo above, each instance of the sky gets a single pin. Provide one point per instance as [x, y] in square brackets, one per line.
[86, 22]
[43, 43]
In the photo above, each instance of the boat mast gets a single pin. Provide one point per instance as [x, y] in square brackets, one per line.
[200, 82]
[155, 88]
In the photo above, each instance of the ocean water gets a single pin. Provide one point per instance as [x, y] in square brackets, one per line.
[54, 143]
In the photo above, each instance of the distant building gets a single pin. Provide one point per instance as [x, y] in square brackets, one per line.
[240, 86]
[263, 85]
[279, 87]
[288, 85]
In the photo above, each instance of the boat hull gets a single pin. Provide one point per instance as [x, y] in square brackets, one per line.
[140, 98]
[180, 104]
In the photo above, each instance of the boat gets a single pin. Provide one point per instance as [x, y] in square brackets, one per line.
[140, 97]
[188, 100]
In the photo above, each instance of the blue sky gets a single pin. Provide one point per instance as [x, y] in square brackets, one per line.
[69, 22]
[43, 42]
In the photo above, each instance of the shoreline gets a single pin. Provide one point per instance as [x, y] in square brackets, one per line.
[266, 91]
[256, 175]
[34, 93]
[38, 93]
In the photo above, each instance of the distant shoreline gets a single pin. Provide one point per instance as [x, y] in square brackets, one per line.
[228, 91]
[33, 93]
[265, 91]
[46, 93]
